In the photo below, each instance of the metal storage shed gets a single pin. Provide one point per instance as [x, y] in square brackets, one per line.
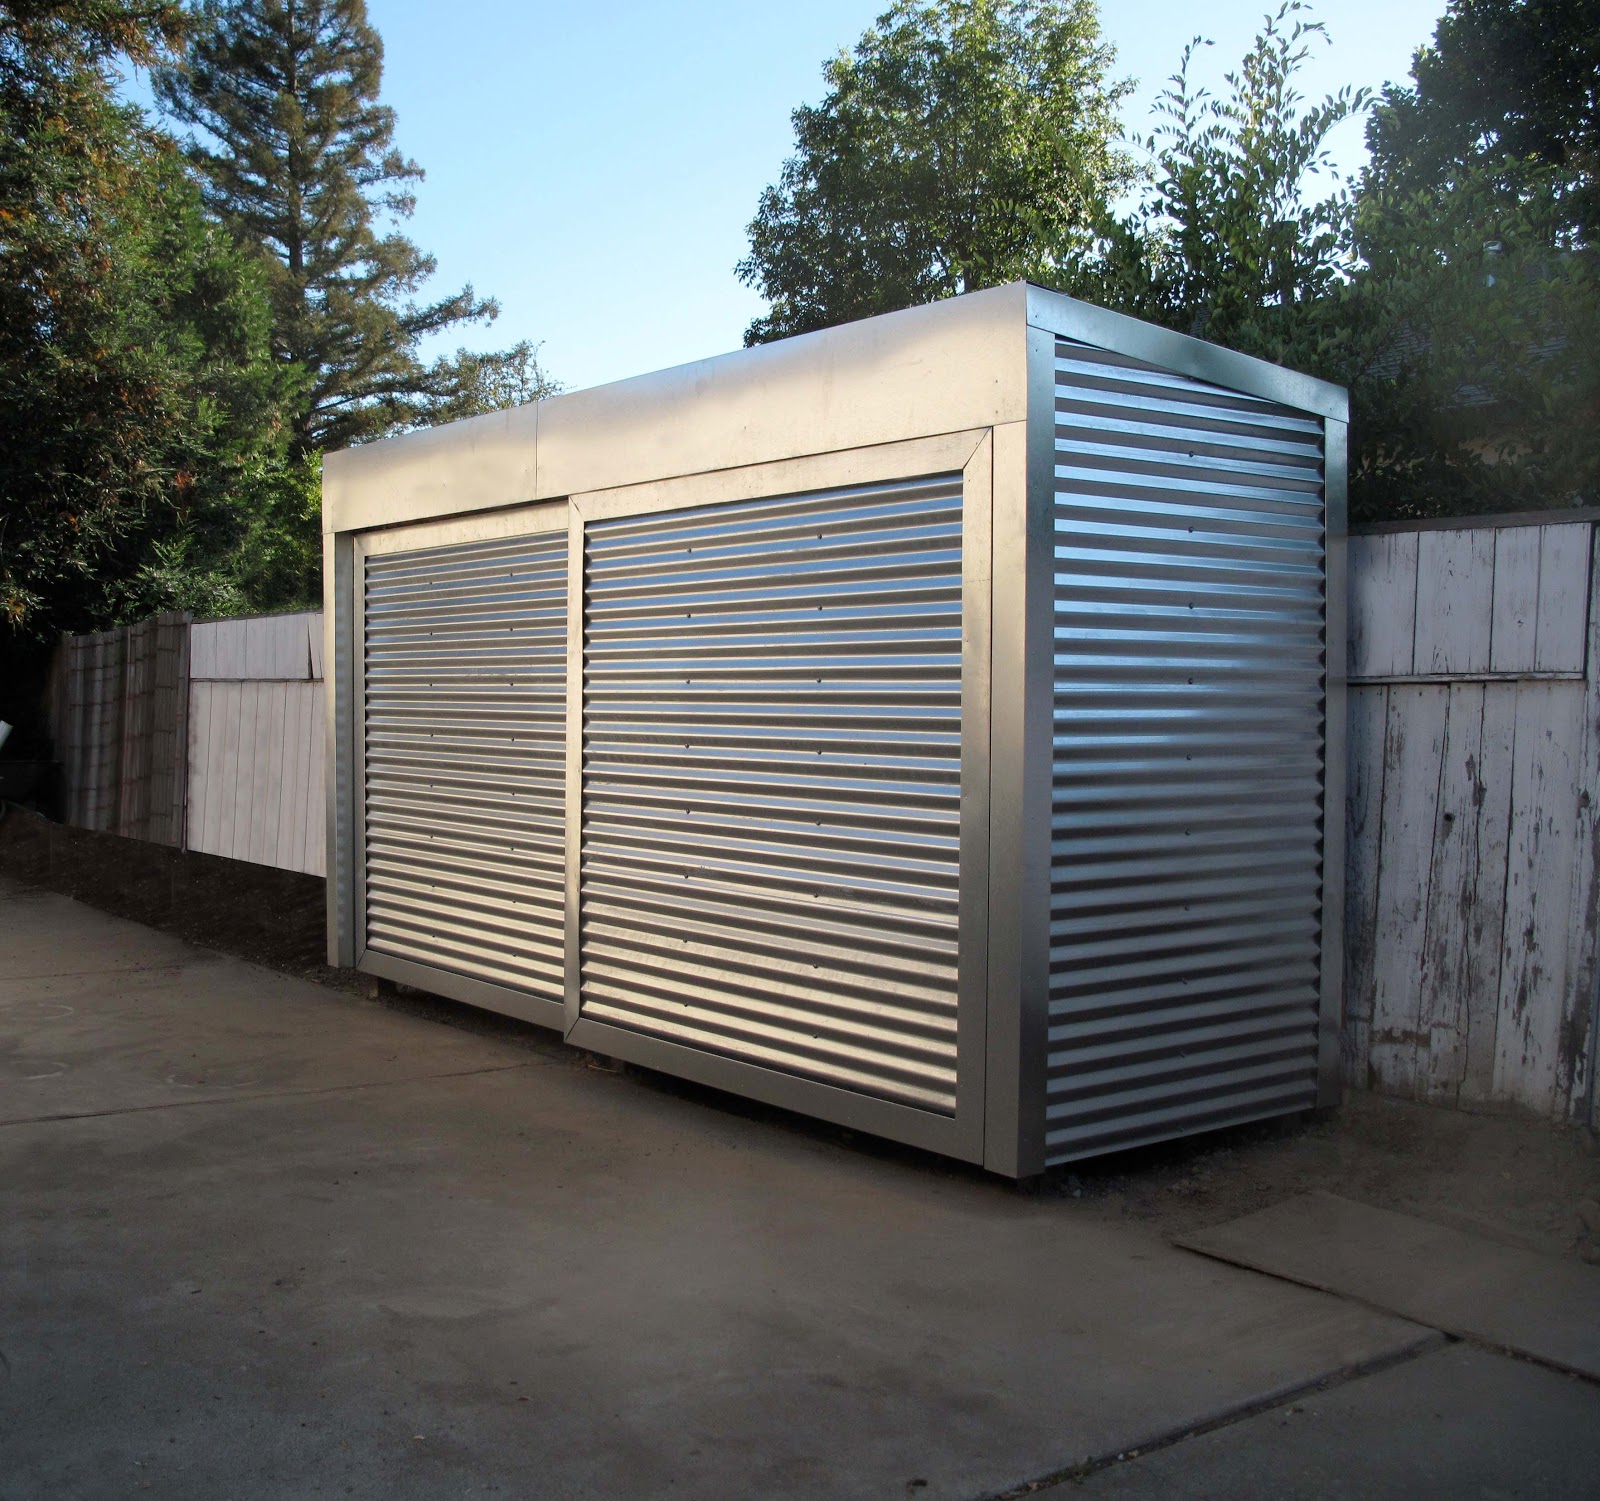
[934, 724]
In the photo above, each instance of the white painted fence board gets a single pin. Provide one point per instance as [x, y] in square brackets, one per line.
[1455, 587]
[268, 793]
[194, 793]
[290, 792]
[1368, 720]
[1539, 887]
[313, 622]
[1563, 598]
[1383, 604]
[202, 766]
[224, 761]
[1442, 1010]
[249, 755]
[257, 650]
[249, 745]
[199, 651]
[263, 648]
[1583, 924]
[293, 648]
[255, 780]
[202, 651]
[234, 652]
[1456, 960]
[261, 790]
[232, 649]
[1483, 923]
[290, 654]
[1412, 756]
[225, 769]
[229, 700]
[298, 814]
[1516, 599]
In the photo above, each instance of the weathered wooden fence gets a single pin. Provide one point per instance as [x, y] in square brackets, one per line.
[204, 736]
[119, 703]
[255, 741]
[1473, 846]
[1473, 835]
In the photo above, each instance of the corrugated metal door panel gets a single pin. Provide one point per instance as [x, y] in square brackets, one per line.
[771, 783]
[465, 726]
[1186, 869]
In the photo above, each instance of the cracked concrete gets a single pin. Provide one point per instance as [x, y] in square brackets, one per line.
[260, 1239]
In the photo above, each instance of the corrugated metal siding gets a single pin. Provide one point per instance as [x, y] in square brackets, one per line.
[1189, 681]
[772, 722]
[465, 720]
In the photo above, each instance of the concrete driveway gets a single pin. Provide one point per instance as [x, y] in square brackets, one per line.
[261, 1239]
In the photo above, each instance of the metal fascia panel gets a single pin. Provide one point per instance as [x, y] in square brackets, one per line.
[477, 464]
[1085, 323]
[942, 368]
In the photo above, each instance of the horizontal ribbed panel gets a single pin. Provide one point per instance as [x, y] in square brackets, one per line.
[772, 747]
[465, 724]
[1188, 764]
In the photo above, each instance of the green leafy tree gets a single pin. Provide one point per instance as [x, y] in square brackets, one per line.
[297, 156]
[964, 143]
[1476, 222]
[492, 382]
[1479, 319]
[277, 562]
[1508, 84]
[136, 384]
[1228, 240]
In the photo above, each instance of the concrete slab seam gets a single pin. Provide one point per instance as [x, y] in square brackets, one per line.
[281, 1094]
[119, 969]
[1461, 1336]
[1428, 1342]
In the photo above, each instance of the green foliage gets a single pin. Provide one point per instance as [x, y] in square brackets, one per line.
[963, 144]
[1506, 82]
[277, 563]
[1477, 227]
[93, 32]
[482, 383]
[136, 383]
[269, 557]
[297, 157]
[1483, 393]
[1453, 294]
[1225, 242]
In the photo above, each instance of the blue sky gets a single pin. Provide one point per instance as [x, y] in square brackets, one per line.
[594, 166]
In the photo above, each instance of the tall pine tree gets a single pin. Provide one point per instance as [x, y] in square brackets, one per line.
[297, 157]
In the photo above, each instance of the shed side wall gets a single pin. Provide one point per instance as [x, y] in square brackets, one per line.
[1189, 756]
